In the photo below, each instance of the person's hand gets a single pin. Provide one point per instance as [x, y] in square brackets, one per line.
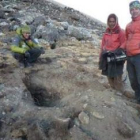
[42, 50]
[119, 51]
[27, 54]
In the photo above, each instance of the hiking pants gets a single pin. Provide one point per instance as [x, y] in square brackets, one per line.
[133, 68]
[34, 54]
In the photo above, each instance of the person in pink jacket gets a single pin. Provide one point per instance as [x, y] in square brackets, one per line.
[112, 39]
[132, 48]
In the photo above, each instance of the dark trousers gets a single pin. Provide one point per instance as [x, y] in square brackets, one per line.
[34, 54]
[133, 68]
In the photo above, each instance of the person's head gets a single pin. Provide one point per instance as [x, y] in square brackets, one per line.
[26, 31]
[112, 21]
[134, 7]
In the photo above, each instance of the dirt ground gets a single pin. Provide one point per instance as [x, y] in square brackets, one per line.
[63, 97]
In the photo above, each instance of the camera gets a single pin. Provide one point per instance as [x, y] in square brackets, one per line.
[116, 58]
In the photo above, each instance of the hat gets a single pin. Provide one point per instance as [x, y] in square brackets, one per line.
[134, 4]
[25, 29]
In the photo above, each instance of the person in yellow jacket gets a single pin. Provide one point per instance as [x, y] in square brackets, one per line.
[25, 48]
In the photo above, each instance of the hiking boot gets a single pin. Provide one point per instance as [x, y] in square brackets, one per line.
[129, 94]
[138, 102]
[28, 65]
[21, 65]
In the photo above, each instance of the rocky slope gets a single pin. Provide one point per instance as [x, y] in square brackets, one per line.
[63, 96]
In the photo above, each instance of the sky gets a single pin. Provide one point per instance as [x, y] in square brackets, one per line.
[100, 9]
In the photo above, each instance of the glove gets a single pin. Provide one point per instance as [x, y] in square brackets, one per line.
[42, 50]
[27, 54]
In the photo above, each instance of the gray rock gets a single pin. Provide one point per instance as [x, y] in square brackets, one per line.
[4, 24]
[13, 27]
[48, 33]
[125, 129]
[35, 132]
[29, 16]
[79, 33]
[2, 14]
[61, 123]
[64, 25]
[83, 117]
[40, 20]
[6, 40]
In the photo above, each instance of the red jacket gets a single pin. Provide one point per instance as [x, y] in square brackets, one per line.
[113, 40]
[132, 44]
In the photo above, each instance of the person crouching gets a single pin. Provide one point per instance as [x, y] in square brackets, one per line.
[25, 48]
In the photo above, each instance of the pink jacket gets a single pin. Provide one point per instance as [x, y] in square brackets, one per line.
[112, 41]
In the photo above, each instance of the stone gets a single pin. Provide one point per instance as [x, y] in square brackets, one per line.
[61, 125]
[79, 33]
[64, 25]
[82, 60]
[125, 129]
[1, 95]
[97, 115]
[35, 132]
[84, 118]
[19, 133]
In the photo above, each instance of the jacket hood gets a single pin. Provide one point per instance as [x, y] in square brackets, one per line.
[116, 28]
[23, 29]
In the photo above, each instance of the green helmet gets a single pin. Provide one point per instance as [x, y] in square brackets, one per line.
[25, 29]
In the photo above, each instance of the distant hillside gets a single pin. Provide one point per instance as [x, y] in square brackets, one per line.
[63, 13]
